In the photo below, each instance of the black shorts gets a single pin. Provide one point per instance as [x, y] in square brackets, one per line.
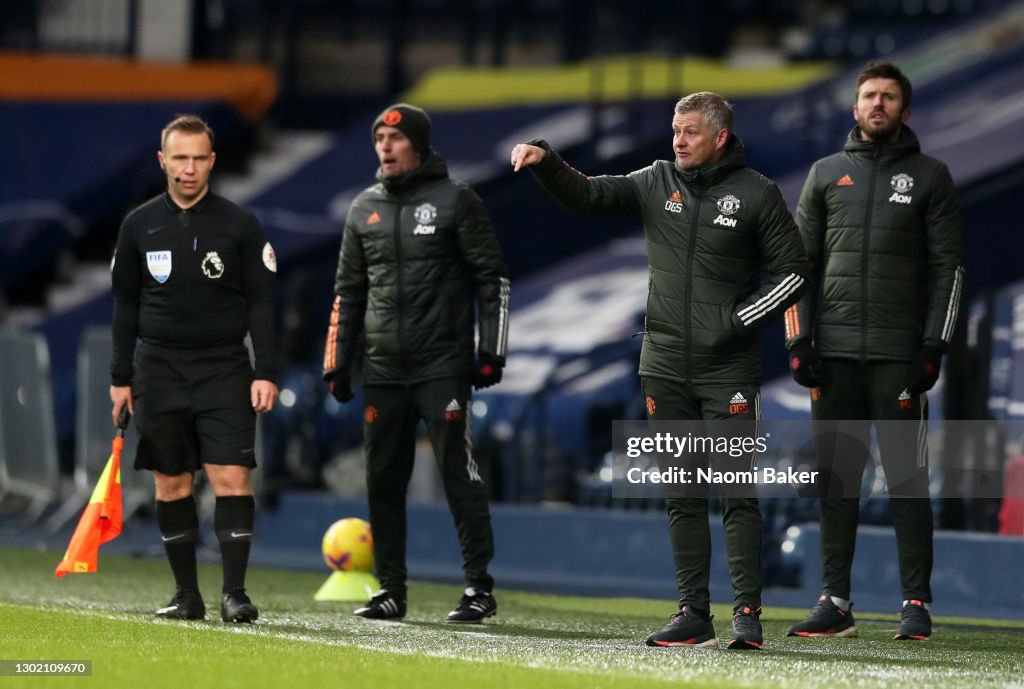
[192, 407]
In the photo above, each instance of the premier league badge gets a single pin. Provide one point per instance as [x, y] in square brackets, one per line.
[212, 266]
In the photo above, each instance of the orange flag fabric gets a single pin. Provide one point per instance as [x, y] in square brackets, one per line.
[101, 521]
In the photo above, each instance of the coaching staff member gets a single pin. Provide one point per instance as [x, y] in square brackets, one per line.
[881, 225]
[725, 258]
[192, 274]
[419, 260]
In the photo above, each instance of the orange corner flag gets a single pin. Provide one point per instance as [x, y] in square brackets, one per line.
[101, 520]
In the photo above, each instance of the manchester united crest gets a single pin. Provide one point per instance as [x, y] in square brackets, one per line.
[425, 213]
[902, 183]
[727, 205]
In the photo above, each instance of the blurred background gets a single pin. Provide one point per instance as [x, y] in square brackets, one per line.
[291, 87]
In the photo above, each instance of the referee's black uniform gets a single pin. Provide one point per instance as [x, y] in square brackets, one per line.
[188, 285]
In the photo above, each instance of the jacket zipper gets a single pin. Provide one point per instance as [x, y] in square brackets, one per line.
[691, 253]
[399, 282]
[865, 253]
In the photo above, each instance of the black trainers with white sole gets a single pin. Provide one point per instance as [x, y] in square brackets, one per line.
[383, 605]
[186, 605]
[473, 607]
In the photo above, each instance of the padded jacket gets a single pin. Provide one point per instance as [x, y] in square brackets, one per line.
[419, 258]
[724, 257]
[881, 225]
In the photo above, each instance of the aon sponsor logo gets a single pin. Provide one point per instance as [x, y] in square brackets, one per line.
[725, 221]
[900, 198]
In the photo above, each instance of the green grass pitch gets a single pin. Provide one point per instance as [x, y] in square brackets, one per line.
[537, 641]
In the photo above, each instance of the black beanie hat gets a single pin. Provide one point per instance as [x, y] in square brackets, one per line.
[408, 119]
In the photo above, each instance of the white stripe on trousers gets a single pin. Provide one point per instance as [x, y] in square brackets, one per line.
[922, 431]
[472, 468]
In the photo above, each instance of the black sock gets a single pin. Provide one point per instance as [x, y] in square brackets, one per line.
[179, 529]
[233, 518]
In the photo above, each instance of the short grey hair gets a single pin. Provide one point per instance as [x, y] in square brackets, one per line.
[717, 111]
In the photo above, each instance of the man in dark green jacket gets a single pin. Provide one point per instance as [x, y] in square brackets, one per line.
[881, 226]
[419, 260]
[725, 258]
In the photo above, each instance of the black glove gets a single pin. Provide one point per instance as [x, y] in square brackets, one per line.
[488, 371]
[924, 370]
[805, 364]
[340, 385]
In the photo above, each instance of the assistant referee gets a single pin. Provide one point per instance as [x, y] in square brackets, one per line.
[192, 274]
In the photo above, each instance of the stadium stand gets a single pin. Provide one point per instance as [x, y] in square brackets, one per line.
[28, 451]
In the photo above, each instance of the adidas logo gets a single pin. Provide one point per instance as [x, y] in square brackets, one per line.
[738, 404]
[676, 196]
[373, 219]
[675, 202]
[453, 412]
[845, 181]
[906, 401]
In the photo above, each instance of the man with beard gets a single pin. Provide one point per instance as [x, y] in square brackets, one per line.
[881, 225]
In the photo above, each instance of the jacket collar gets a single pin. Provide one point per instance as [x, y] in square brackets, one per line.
[906, 144]
[432, 168]
[735, 157]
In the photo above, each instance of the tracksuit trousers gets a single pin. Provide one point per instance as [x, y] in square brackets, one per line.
[689, 530]
[391, 416]
[853, 397]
